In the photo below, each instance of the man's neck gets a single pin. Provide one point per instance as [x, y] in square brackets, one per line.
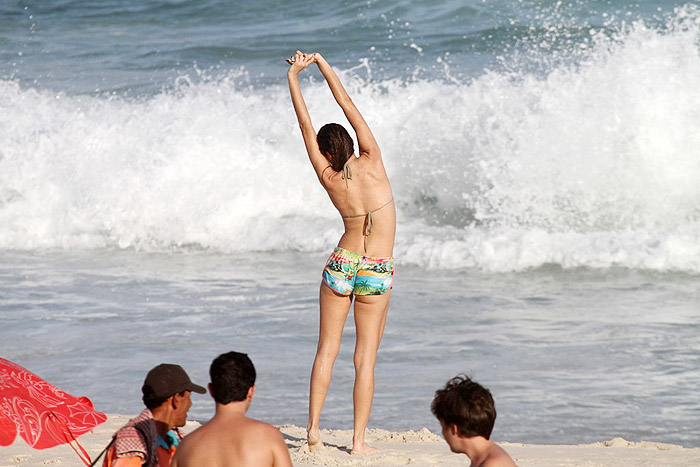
[164, 420]
[232, 409]
[477, 449]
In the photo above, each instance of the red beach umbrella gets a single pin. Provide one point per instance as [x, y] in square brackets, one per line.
[43, 415]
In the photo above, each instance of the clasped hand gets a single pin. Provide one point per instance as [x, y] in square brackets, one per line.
[300, 60]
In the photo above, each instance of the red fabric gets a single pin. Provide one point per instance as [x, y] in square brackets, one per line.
[43, 415]
[165, 456]
[7, 430]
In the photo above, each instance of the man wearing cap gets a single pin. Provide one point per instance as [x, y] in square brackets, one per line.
[151, 438]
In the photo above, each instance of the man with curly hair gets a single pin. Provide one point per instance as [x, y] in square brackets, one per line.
[467, 413]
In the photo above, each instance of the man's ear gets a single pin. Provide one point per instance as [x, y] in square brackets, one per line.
[251, 392]
[211, 391]
[454, 431]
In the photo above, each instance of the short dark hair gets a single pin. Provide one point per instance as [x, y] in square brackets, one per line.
[232, 375]
[152, 401]
[336, 144]
[467, 404]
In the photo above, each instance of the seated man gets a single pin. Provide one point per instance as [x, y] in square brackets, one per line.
[231, 438]
[152, 438]
[466, 413]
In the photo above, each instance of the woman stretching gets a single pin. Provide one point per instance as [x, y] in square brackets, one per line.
[361, 266]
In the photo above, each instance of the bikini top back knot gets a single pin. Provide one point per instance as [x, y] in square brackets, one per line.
[367, 229]
[347, 173]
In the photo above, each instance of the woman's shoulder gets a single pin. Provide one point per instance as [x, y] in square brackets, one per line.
[373, 167]
[329, 176]
[371, 161]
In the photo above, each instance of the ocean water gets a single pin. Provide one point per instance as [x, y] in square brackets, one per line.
[156, 203]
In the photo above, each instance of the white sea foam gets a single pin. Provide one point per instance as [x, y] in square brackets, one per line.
[591, 164]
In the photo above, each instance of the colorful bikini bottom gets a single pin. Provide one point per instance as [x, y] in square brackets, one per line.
[351, 273]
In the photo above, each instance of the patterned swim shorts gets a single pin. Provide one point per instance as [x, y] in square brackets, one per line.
[351, 273]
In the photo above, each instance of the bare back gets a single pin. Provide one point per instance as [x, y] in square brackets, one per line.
[233, 441]
[368, 191]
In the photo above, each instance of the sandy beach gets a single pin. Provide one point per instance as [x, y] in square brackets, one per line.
[419, 448]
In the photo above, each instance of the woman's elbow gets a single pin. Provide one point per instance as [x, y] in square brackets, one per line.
[345, 101]
[306, 127]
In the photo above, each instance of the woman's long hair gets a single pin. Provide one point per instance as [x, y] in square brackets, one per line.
[336, 144]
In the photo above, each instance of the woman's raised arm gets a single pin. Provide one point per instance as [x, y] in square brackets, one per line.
[298, 62]
[365, 138]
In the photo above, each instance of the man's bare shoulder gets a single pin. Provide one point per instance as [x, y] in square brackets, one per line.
[193, 435]
[261, 428]
[271, 437]
[498, 457]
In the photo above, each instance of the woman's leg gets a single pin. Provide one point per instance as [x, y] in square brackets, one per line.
[334, 311]
[370, 319]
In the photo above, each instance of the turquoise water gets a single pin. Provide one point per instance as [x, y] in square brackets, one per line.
[156, 203]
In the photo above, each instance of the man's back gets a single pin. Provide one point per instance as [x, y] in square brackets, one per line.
[233, 440]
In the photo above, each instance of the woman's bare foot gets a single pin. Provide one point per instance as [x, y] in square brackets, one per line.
[363, 449]
[314, 440]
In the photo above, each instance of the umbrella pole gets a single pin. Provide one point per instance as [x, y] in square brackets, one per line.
[102, 453]
[82, 454]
